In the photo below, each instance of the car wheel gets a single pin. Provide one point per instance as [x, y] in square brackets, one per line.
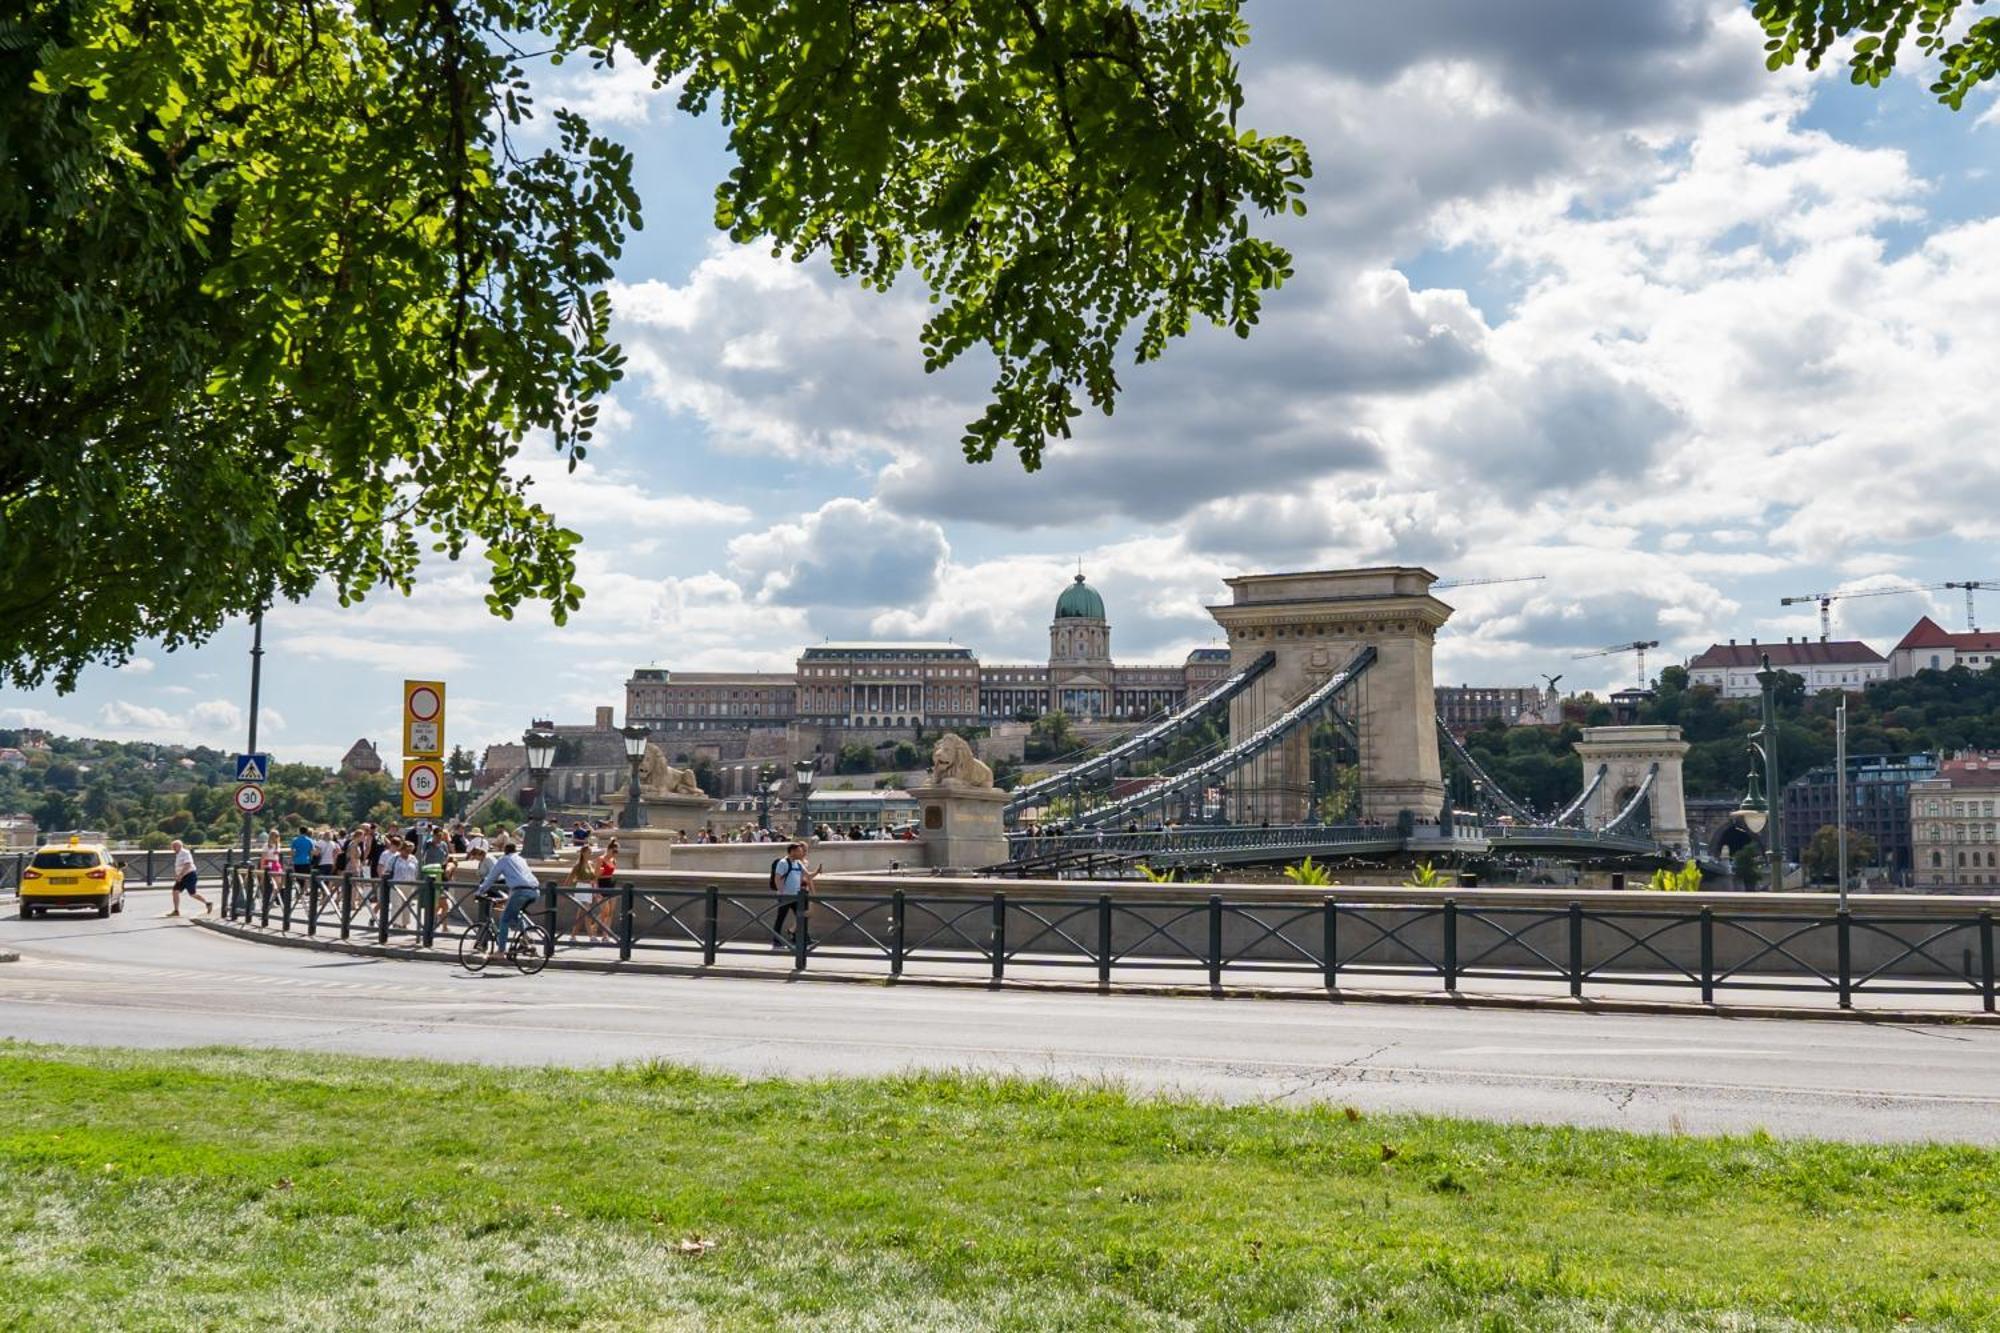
[104, 908]
[118, 905]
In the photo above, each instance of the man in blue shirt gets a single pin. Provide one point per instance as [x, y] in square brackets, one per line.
[302, 851]
[511, 869]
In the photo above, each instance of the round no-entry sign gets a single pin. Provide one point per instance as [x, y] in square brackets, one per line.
[249, 799]
[422, 781]
[425, 704]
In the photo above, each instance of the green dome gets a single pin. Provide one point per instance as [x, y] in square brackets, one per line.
[1079, 601]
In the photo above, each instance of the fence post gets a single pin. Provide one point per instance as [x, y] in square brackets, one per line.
[711, 924]
[346, 904]
[1214, 940]
[427, 911]
[385, 903]
[1450, 945]
[149, 869]
[1986, 959]
[1844, 950]
[1707, 956]
[1330, 942]
[895, 933]
[549, 919]
[625, 924]
[312, 912]
[802, 936]
[1104, 939]
[1576, 951]
[999, 936]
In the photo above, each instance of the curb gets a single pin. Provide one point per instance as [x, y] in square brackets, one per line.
[1540, 1003]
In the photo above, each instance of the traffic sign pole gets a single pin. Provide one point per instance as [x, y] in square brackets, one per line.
[256, 679]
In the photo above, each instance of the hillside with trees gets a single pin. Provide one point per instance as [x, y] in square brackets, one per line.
[144, 794]
[1936, 711]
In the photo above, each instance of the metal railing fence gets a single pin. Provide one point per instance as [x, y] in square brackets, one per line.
[1702, 950]
[152, 868]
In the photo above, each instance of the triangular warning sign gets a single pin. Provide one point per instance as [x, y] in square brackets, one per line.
[250, 768]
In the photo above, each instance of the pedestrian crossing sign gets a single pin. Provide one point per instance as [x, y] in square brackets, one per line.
[253, 768]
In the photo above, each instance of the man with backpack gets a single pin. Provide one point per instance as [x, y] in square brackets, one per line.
[791, 879]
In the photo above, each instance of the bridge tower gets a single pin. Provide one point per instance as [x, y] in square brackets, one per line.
[1629, 754]
[1315, 622]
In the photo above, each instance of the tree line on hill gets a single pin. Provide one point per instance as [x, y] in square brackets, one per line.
[1932, 711]
[142, 794]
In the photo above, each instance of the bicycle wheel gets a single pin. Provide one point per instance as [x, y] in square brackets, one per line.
[527, 950]
[472, 947]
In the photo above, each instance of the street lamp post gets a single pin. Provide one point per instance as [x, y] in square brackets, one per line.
[769, 781]
[1753, 813]
[803, 773]
[1774, 786]
[541, 746]
[635, 754]
[461, 782]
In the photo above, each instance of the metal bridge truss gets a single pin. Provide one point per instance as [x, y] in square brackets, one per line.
[1139, 744]
[1488, 788]
[1200, 775]
[1574, 809]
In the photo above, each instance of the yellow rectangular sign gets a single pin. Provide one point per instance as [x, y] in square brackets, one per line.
[423, 789]
[423, 719]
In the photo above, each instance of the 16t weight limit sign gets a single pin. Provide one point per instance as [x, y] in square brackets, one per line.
[423, 788]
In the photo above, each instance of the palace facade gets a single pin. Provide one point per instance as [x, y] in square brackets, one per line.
[888, 686]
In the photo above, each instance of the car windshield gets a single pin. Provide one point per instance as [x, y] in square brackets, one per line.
[67, 860]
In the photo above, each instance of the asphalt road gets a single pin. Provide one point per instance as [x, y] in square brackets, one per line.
[139, 980]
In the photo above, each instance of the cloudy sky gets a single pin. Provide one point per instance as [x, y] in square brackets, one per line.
[1583, 292]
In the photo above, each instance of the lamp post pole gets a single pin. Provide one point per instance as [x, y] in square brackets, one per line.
[803, 773]
[1840, 790]
[635, 754]
[1774, 850]
[541, 747]
[766, 788]
[461, 782]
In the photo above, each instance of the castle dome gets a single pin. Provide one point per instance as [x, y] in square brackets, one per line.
[1079, 601]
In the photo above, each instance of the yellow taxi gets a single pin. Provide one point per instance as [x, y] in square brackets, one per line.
[76, 874]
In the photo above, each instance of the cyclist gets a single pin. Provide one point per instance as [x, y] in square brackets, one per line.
[511, 869]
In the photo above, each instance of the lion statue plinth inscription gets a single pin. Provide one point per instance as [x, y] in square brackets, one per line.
[953, 764]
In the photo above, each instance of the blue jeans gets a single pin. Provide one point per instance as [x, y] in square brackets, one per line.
[517, 899]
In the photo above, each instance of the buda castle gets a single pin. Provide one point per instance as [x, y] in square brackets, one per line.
[907, 686]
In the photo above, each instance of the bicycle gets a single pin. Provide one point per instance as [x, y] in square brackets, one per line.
[527, 944]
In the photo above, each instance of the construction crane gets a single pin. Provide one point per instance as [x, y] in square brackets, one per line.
[1480, 583]
[1826, 599]
[1638, 646]
[1972, 620]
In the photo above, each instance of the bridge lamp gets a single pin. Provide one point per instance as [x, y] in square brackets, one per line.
[461, 782]
[803, 773]
[541, 747]
[635, 754]
[1753, 813]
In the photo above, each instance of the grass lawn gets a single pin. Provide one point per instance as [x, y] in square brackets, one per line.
[222, 1189]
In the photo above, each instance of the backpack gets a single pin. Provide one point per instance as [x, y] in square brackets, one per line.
[776, 885]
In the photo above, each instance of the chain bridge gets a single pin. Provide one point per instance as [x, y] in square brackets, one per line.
[1341, 660]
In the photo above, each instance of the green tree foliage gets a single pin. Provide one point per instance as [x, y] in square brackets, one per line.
[288, 287]
[1822, 856]
[1687, 879]
[1310, 874]
[1052, 737]
[1965, 54]
[1748, 864]
[854, 757]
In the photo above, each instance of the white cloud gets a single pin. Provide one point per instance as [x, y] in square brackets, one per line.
[139, 666]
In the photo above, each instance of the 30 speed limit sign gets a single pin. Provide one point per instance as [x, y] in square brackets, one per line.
[249, 799]
[423, 785]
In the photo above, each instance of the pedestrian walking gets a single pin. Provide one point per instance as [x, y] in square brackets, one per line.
[583, 874]
[185, 880]
[791, 878]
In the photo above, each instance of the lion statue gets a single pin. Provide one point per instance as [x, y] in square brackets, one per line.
[953, 764]
[659, 778]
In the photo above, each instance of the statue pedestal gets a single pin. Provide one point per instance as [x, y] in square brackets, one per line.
[669, 819]
[960, 827]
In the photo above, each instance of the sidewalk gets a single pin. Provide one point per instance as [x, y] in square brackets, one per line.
[1630, 994]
